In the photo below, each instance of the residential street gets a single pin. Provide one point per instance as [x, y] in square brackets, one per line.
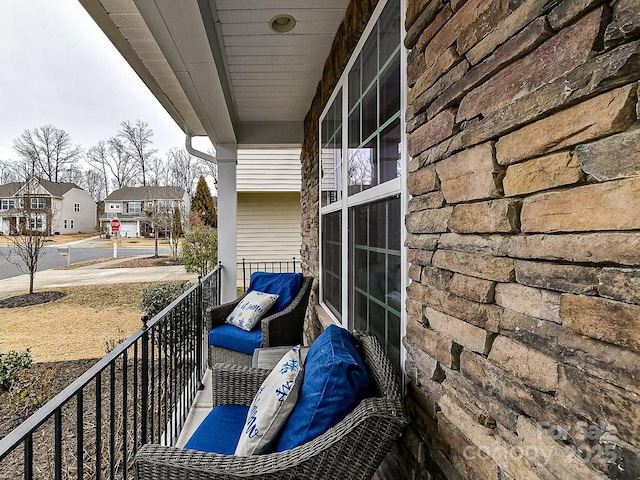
[12, 281]
[53, 259]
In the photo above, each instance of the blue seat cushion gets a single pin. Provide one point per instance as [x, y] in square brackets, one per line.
[285, 285]
[234, 338]
[220, 431]
[335, 380]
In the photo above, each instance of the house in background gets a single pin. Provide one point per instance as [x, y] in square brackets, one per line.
[135, 207]
[268, 221]
[45, 206]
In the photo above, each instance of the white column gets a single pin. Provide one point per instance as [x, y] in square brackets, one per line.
[227, 158]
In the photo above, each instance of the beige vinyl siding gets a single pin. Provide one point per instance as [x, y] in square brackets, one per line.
[269, 226]
[272, 170]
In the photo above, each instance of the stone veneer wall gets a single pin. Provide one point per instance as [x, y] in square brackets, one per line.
[523, 340]
[523, 233]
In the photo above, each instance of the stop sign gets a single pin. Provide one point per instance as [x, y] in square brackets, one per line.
[115, 225]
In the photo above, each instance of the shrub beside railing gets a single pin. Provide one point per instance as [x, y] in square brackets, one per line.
[140, 392]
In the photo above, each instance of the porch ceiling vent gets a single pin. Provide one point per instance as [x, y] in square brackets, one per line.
[282, 23]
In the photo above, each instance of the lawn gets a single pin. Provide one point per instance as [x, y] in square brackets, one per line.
[77, 326]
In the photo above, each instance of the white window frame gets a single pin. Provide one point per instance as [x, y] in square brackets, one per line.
[382, 191]
[76, 207]
[38, 203]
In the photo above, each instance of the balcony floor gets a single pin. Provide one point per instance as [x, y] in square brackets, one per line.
[202, 405]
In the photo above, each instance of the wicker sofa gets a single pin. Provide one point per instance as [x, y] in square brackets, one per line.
[353, 449]
[282, 328]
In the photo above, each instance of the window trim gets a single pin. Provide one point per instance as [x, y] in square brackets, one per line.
[385, 190]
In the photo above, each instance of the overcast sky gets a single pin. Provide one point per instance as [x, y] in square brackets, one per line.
[58, 68]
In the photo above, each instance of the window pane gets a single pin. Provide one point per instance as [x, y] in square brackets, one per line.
[369, 113]
[390, 91]
[374, 271]
[390, 155]
[369, 58]
[389, 25]
[332, 262]
[354, 128]
[354, 84]
[360, 171]
[331, 153]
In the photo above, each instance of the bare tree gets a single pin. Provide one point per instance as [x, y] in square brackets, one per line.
[114, 164]
[9, 172]
[35, 218]
[123, 171]
[184, 170]
[210, 169]
[159, 172]
[98, 158]
[93, 183]
[73, 174]
[137, 139]
[46, 151]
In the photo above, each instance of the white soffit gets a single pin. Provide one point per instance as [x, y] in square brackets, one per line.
[273, 76]
[218, 68]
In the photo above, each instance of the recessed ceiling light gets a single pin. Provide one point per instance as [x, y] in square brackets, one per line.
[282, 23]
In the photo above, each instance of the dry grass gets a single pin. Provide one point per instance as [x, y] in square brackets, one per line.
[53, 239]
[86, 263]
[76, 326]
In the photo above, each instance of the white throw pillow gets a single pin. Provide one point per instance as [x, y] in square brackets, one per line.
[272, 405]
[251, 309]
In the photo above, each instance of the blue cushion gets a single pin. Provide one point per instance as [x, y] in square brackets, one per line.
[236, 339]
[335, 380]
[220, 431]
[285, 285]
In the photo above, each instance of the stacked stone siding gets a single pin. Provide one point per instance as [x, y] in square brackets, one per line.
[523, 341]
[523, 236]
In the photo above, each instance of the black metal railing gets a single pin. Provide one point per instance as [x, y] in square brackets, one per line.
[140, 392]
[250, 266]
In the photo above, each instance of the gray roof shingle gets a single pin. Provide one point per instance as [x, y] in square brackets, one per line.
[146, 193]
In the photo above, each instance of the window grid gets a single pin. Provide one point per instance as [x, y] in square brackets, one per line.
[366, 271]
[368, 277]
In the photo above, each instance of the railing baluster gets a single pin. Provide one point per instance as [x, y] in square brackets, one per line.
[99, 426]
[152, 384]
[125, 412]
[145, 383]
[165, 383]
[112, 420]
[28, 457]
[198, 325]
[135, 397]
[58, 444]
[80, 433]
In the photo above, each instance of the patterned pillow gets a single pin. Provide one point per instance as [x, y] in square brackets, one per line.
[251, 309]
[272, 405]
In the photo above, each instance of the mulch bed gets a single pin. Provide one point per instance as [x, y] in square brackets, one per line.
[62, 375]
[29, 299]
[160, 261]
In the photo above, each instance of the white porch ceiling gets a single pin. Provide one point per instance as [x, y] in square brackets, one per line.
[217, 67]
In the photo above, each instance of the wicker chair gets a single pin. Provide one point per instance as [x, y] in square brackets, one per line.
[280, 329]
[353, 449]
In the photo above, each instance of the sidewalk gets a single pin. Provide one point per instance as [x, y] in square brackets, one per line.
[93, 275]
